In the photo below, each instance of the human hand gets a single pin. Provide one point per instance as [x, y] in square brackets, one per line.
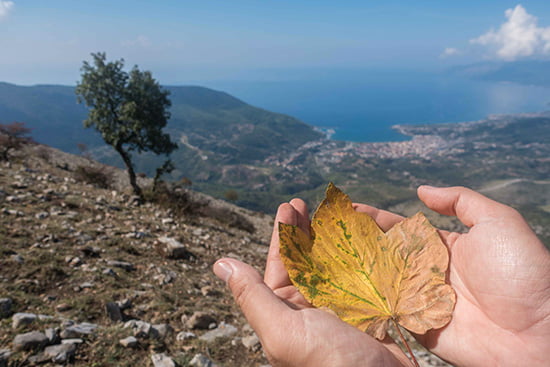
[499, 269]
[292, 332]
[500, 272]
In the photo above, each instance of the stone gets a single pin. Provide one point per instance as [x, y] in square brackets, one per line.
[113, 311]
[167, 221]
[129, 342]
[199, 320]
[174, 249]
[62, 307]
[4, 357]
[90, 251]
[185, 335]
[84, 238]
[131, 324]
[17, 213]
[164, 276]
[38, 358]
[162, 330]
[200, 360]
[109, 271]
[22, 318]
[251, 342]
[124, 304]
[86, 285]
[247, 329]
[5, 307]
[121, 264]
[75, 261]
[222, 331]
[209, 290]
[162, 360]
[29, 341]
[44, 317]
[18, 258]
[42, 215]
[78, 330]
[60, 353]
[142, 330]
[72, 341]
[52, 335]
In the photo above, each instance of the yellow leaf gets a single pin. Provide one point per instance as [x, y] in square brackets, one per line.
[368, 277]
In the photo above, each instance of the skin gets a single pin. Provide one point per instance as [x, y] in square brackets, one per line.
[499, 269]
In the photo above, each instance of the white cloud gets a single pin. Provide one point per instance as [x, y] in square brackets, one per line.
[5, 8]
[140, 41]
[448, 52]
[519, 36]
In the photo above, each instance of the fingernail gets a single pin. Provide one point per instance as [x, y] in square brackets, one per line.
[223, 270]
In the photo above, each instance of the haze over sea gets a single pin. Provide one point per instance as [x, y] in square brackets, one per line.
[362, 106]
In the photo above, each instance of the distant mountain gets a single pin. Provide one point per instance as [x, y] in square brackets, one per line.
[234, 131]
[211, 127]
[521, 72]
[51, 111]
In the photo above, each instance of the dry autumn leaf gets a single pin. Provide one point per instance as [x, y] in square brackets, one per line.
[368, 277]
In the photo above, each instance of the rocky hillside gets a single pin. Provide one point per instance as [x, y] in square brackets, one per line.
[80, 262]
[90, 278]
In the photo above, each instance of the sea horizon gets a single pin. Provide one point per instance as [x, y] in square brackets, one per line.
[366, 108]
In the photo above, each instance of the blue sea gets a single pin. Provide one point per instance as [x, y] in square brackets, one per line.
[363, 106]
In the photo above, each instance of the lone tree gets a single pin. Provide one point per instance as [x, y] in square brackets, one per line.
[128, 109]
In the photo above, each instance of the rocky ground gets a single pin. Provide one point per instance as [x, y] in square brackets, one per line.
[88, 277]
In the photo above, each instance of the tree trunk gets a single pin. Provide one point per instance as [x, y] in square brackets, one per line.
[131, 173]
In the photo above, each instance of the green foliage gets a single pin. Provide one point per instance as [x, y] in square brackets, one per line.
[129, 110]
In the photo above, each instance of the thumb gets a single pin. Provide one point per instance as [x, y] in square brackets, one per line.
[468, 206]
[261, 307]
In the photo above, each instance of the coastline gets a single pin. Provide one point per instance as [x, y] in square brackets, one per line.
[425, 141]
[409, 131]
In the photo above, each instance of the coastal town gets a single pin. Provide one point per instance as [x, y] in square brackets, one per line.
[425, 142]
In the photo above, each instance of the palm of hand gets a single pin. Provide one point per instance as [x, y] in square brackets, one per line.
[314, 330]
[502, 292]
[498, 294]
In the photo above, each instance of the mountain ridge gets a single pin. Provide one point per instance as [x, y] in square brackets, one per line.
[258, 159]
[200, 111]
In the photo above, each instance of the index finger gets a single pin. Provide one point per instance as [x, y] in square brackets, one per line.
[295, 213]
[383, 218]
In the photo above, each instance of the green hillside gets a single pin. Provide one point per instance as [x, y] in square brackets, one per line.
[208, 120]
[51, 111]
[231, 129]
[258, 159]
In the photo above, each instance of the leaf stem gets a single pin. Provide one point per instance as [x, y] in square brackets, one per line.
[412, 357]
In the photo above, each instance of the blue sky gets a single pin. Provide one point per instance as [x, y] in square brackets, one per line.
[45, 41]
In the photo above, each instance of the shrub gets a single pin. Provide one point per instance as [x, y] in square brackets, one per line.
[12, 137]
[231, 195]
[96, 176]
[175, 199]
